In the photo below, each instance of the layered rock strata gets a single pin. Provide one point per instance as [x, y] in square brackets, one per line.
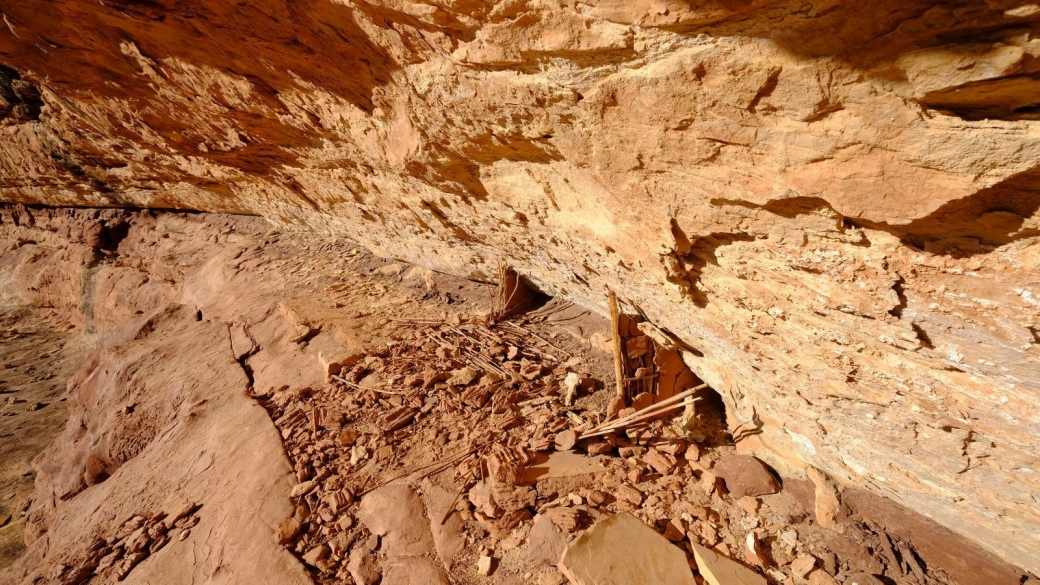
[832, 207]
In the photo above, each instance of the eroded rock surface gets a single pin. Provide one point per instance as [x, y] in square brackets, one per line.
[147, 440]
[832, 206]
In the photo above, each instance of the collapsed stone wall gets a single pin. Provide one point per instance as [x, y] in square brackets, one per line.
[831, 207]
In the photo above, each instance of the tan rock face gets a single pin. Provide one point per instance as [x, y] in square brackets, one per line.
[832, 205]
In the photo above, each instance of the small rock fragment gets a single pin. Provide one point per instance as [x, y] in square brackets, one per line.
[674, 447]
[463, 376]
[302, 488]
[302, 333]
[345, 523]
[631, 451]
[629, 494]
[596, 497]
[551, 578]
[748, 504]
[318, 553]
[484, 565]
[482, 499]
[642, 400]
[803, 564]
[362, 567]
[674, 530]
[709, 482]
[663, 463]
[398, 418]
[703, 532]
[827, 502]
[753, 548]
[565, 440]
[287, 530]
[566, 519]
[693, 452]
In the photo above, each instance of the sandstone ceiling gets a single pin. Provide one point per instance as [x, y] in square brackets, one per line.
[831, 205]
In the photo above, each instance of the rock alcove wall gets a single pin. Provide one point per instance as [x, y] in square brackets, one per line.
[832, 206]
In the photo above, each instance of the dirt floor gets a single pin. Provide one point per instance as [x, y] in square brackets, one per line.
[407, 434]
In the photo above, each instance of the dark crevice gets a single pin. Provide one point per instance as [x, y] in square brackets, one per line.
[765, 91]
[113, 233]
[897, 311]
[247, 370]
[1036, 333]
[788, 207]
[243, 360]
[922, 336]
[711, 418]
[1013, 97]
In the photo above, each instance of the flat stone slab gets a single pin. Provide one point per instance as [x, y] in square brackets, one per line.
[562, 464]
[621, 550]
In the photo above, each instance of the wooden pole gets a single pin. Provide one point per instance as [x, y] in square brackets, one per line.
[619, 359]
[677, 401]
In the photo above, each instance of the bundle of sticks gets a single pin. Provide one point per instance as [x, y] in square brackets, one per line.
[680, 400]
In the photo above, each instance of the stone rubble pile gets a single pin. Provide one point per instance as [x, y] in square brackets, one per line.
[499, 426]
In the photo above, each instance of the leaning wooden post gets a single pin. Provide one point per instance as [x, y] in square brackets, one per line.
[615, 332]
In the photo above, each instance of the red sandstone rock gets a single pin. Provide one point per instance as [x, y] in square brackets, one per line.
[803, 564]
[746, 476]
[363, 567]
[565, 440]
[624, 551]
[545, 542]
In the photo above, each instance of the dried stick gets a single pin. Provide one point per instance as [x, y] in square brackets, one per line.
[426, 469]
[363, 388]
[536, 401]
[542, 339]
[638, 419]
[665, 402]
[451, 506]
[647, 377]
[650, 410]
